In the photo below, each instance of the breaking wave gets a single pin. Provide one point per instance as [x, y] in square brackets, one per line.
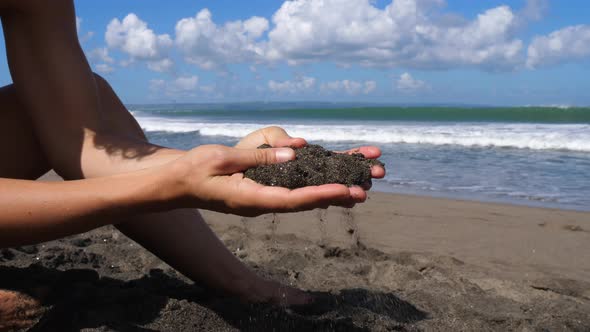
[572, 137]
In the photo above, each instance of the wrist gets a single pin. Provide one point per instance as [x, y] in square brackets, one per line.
[172, 184]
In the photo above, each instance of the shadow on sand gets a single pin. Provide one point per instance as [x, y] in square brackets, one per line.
[78, 299]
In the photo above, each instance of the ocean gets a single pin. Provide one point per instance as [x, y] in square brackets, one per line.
[536, 156]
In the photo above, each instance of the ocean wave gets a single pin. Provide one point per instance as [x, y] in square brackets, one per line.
[557, 106]
[572, 137]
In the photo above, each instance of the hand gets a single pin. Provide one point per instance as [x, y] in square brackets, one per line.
[209, 178]
[278, 137]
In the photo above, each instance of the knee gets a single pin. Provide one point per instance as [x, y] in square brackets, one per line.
[107, 95]
[100, 81]
[116, 117]
[102, 85]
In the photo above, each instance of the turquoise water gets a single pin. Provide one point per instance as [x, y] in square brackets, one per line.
[526, 155]
[435, 114]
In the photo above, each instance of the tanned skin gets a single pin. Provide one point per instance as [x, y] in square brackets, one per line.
[59, 115]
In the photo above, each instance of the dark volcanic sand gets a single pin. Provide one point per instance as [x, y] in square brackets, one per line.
[315, 166]
[102, 281]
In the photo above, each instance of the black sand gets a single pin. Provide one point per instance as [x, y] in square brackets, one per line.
[315, 166]
[415, 270]
[102, 281]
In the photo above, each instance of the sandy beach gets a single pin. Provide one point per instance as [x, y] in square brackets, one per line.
[397, 262]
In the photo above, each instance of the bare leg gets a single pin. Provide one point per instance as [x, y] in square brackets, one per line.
[183, 239]
[85, 131]
[22, 156]
[24, 161]
[57, 89]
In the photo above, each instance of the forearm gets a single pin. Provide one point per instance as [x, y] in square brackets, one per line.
[34, 212]
[111, 154]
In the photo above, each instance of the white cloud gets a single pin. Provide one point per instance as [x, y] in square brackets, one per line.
[298, 85]
[352, 88]
[133, 37]
[535, 10]
[565, 45]
[208, 89]
[186, 83]
[210, 46]
[370, 86]
[102, 61]
[158, 86]
[406, 33]
[407, 84]
[101, 54]
[104, 68]
[184, 86]
[161, 66]
[85, 37]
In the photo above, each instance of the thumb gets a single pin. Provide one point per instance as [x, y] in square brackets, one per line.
[242, 159]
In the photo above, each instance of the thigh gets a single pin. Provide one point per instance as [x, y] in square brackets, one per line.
[114, 115]
[21, 155]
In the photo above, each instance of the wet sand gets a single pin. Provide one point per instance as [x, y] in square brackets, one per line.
[395, 263]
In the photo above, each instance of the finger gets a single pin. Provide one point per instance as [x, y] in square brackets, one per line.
[278, 137]
[276, 199]
[236, 160]
[294, 142]
[358, 194]
[367, 186]
[319, 197]
[378, 172]
[284, 200]
[370, 152]
[266, 135]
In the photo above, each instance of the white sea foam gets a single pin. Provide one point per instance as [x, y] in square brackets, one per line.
[573, 137]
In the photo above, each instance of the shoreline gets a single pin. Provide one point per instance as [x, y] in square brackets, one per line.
[486, 200]
[478, 197]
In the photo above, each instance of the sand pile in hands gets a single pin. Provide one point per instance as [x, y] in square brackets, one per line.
[314, 166]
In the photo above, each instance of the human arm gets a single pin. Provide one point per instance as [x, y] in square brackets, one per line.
[206, 177]
[34, 211]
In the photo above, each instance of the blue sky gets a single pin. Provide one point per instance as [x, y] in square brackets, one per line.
[516, 52]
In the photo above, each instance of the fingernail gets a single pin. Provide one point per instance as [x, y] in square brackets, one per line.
[284, 154]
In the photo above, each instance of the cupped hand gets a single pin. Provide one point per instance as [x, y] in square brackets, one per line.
[278, 137]
[210, 178]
